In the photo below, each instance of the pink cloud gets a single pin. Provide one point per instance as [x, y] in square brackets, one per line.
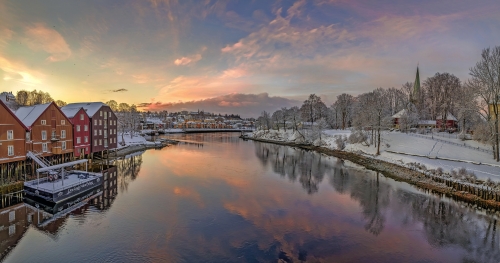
[39, 37]
[187, 60]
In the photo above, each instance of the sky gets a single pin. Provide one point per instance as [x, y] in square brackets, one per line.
[238, 57]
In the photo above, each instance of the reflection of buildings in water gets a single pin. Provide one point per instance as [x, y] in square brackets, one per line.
[127, 171]
[109, 188]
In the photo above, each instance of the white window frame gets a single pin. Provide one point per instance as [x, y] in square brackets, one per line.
[44, 135]
[63, 134]
[43, 122]
[44, 147]
[10, 135]
[63, 145]
[105, 115]
[100, 113]
[86, 139]
[95, 132]
[77, 128]
[100, 141]
[95, 142]
[63, 122]
[100, 122]
[28, 136]
[85, 128]
[78, 140]
[95, 122]
[82, 117]
[105, 141]
[100, 132]
[10, 150]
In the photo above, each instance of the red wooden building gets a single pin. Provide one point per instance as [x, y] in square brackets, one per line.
[12, 144]
[81, 130]
[102, 124]
[50, 131]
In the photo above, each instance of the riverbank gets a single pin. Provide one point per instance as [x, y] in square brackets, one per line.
[476, 193]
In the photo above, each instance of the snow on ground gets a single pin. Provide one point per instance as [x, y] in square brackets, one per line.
[135, 139]
[396, 145]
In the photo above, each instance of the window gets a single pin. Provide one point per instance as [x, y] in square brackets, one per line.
[63, 145]
[10, 150]
[114, 131]
[63, 134]
[12, 229]
[95, 122]
[100, 113]
[43, 122]
[78, 140]
[100, 132]
[100, 122]
[95, 142]
[81, 117]
[105, 141]
[63, 122]
[86, 128]
[100, 142]
[77, 128]
[12, 216]
[10, 135]
[95, 132]
[105, 115]
[44, 135]
[86, 138]
[105, 134]
[28, 136]
[44, 147]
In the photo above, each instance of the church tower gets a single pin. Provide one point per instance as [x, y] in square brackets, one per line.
[415, 95]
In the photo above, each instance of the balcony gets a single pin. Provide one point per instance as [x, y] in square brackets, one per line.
[54, 138]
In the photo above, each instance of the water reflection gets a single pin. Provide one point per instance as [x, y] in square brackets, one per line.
[446, 224]
[216, 198]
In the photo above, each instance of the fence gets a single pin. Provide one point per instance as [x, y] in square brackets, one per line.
[453, 143]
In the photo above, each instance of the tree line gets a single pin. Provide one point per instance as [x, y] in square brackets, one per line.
[475, 103]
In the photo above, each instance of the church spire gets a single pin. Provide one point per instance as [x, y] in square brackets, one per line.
[416, 89]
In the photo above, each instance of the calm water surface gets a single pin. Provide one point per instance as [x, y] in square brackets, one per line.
[216, 198]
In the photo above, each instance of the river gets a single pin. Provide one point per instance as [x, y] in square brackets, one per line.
[217, 198]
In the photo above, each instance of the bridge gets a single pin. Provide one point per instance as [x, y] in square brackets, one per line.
[215, 130]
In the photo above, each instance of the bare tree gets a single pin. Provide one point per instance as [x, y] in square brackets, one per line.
[113, 105]
[60, 103]
[486, 75]
[344, 105]
[313, 109]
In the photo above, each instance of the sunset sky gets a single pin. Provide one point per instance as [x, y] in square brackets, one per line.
[235, 56]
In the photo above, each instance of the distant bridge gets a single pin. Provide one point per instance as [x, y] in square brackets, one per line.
[215, 130]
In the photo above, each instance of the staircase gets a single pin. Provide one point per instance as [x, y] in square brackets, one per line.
[40, 161]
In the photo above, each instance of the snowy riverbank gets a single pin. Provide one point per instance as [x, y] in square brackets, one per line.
[433, 152]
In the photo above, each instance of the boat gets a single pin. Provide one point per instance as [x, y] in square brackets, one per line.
[60, 184]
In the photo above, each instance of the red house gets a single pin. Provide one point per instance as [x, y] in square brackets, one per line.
[451, 122]
[50, 131]
[81, 130]
[102, 125]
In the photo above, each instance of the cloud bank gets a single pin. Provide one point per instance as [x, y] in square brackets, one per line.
[246, 105]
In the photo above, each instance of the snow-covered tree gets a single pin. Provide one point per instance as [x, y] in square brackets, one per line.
[344, 105]
[486, 77]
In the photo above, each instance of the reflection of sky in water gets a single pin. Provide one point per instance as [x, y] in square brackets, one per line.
[237, 201]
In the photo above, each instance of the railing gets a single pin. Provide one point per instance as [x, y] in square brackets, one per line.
[453, 143]
[54, 138]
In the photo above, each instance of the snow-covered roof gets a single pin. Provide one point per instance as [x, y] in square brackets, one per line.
[29, 114]
[154, 120]
[70, 112]
[449, 117]
[12, 113]
[400, 114]
[90, 107]
[427, 122]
